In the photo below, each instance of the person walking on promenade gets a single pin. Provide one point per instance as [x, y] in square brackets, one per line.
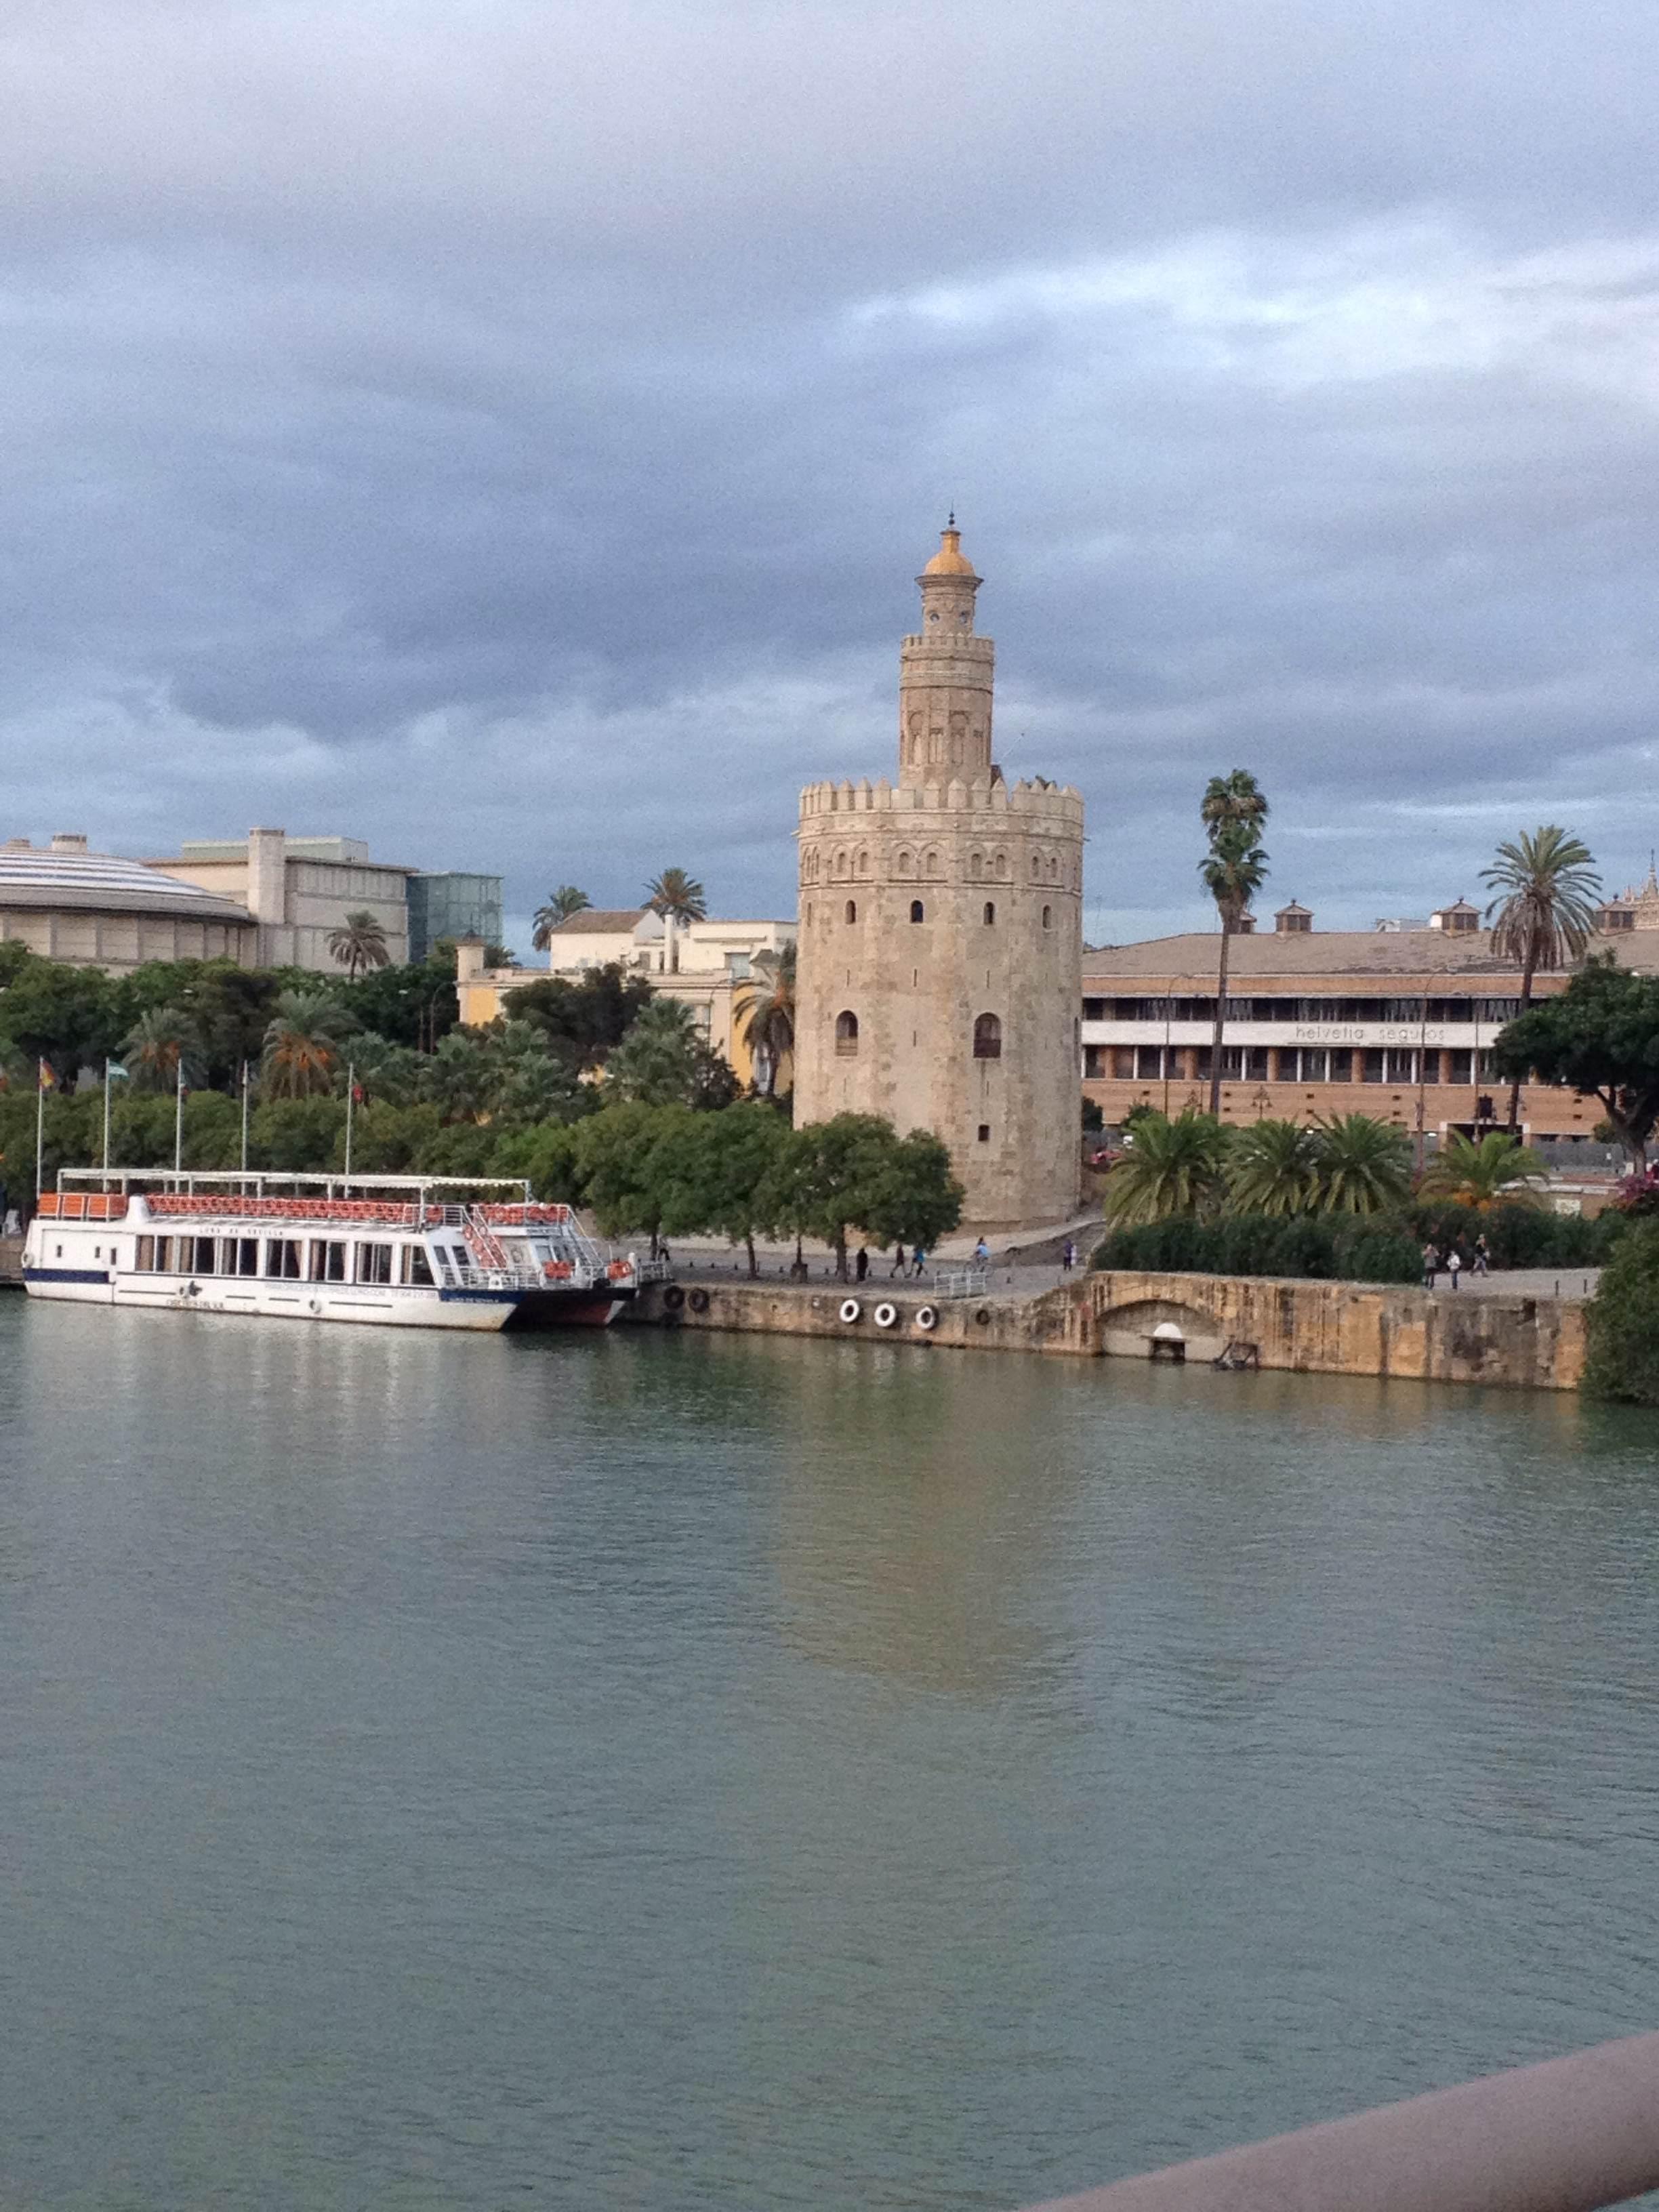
[1482, 1261]
[918, 1261]
[1431, 1265]
[1068, 1256]
[898, 1267]
[861, 1265]
[1454, 1264]
[982, 1253]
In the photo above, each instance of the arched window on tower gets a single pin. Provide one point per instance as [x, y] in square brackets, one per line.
[990, 914]
[918, 912]
[851, 909]
[1036, 869]
[1003, 872]
[1048, 917]
[846, 1032]
[976, 865]
[987, 1037]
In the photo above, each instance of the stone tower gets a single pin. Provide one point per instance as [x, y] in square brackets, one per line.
[940, 976]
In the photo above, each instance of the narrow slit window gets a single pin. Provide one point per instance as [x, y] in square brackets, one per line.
[918, 912]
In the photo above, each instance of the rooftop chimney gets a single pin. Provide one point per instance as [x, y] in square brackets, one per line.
[1294, 921]
[68, 841]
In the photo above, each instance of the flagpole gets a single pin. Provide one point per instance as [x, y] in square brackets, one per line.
[40, 1127]
[244, 1117]
[352, 1085]
[179, 1117]
[107, 1118]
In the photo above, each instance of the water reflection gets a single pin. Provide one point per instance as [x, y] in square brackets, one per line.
[685, 1771]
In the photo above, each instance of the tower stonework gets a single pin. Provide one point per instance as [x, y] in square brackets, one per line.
[940, 948]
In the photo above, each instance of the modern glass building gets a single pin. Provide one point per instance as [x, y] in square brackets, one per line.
[449, 904]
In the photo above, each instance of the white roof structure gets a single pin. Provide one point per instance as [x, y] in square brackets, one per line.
[65, 875]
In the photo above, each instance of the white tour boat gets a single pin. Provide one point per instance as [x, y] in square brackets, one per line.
[375, 1247]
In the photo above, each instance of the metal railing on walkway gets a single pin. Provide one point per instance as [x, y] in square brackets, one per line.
[1568, 2136]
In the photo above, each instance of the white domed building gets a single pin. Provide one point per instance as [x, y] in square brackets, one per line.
[96, 911]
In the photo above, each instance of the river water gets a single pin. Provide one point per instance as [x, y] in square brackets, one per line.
[670, 1772]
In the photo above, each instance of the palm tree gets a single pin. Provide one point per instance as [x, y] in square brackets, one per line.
[769, 1011]
[158, 1041]
[1272, 1168]
[561, 905]
[676, 898]
[1173, 1166]
[1545, 892]
[302, 1043]
[1361, 1166]
[1498, 1170]
[1234, 870]
[360, 945]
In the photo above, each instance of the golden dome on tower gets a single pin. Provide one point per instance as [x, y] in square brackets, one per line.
[950, 560]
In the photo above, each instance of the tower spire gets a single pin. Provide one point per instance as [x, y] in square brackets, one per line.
[945, 675]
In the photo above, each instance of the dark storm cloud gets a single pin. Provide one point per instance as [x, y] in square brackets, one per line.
[508, 432]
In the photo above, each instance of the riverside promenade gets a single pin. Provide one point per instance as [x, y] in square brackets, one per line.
[1516, 1331]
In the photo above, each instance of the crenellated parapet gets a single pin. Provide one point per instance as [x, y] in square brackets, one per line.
[1057, 805]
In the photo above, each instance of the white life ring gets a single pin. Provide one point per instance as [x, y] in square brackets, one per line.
[927, 1316]
[850, 1309]
[885, 1315]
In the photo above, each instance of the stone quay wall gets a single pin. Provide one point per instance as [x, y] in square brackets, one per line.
[1306, 1327]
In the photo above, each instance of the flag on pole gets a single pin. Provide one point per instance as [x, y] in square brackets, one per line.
[115, 1072]
[48, 1080]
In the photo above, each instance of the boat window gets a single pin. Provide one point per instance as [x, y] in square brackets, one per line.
[415, 1267]
[247, 1255]
[440, 1253]
[463, 1260]
[286, 1255]
[373, 1263]
[202, 1256]
[144, 1258]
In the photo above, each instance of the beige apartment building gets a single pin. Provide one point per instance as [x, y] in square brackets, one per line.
[299, 890]
[706, 965]
[1396, 1022]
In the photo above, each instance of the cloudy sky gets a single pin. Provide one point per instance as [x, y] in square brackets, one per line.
[507, 431]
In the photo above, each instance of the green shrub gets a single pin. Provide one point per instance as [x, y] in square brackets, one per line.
[1354, 1248]
[1622, 1320]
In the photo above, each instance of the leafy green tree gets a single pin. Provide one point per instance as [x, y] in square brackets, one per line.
[412, 1005]
[849, 1172]
[1622, 1322]
[715, 1173]
[1232, 810]
[586, 1019]
[663, 1061]
[1543, 910]
[360, 945]
[1601, 1036]
[1176, 1165]
[1499, 1169]
[227, 1009]
[296, 1134]
[1272, 1168]
[547, 1155]
[1362, 1165]
[387, 1138]
[619, 1156]
[71, 1017]
[561, 905]
[915, 1199]
[304, 1046]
